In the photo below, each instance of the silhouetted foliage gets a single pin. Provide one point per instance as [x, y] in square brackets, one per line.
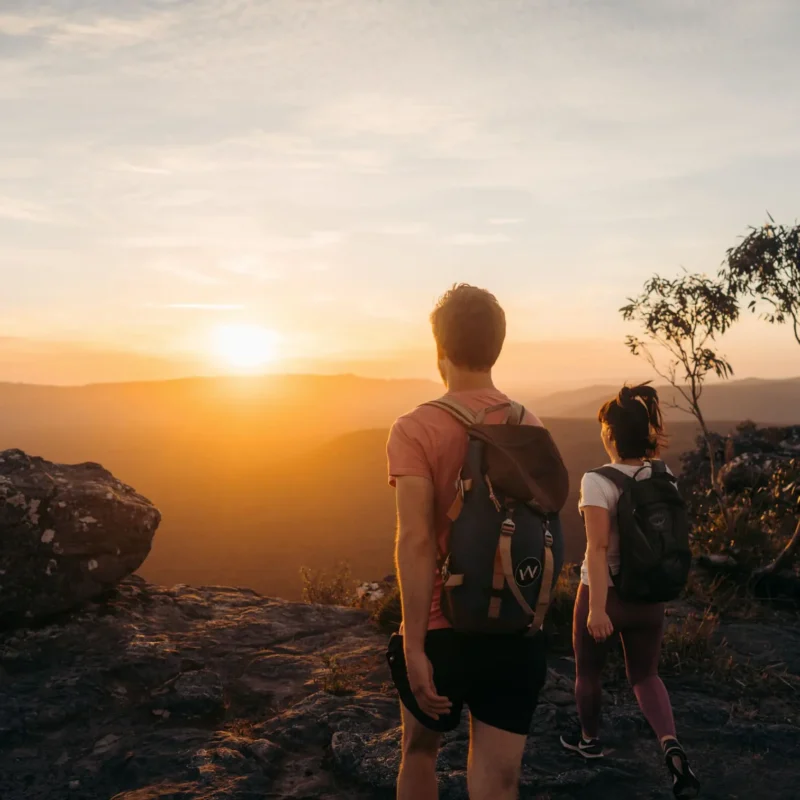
[766, 268]
[760, 479]
[682, 319]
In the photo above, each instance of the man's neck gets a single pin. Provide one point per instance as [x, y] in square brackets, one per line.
[465, 381]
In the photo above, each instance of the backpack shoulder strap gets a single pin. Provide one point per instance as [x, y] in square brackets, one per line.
[614, 475]
[517, 414]
[660, 469]
[466, 416]
[480, 417]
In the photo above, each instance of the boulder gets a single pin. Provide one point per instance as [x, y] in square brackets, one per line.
[67, 535]
[747, 471]
[743, 457]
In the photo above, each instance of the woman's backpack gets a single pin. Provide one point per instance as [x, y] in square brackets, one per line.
[653, 524]
[506, 546]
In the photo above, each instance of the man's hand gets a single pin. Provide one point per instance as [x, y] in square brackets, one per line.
[420, 677]
[599, 625]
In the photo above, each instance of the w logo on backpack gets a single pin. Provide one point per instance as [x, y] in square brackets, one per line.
[506, 547]
[528, 572]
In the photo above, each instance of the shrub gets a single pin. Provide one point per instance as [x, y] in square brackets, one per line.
[387, 613]
[336, 588]
[763, 497]
[722, 594]
[692, 645]
[337, 678]
[763, 518]
[559, 616]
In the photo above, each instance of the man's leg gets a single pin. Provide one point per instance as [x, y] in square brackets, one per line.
[507, 674]
[495, 760]
[417, 778]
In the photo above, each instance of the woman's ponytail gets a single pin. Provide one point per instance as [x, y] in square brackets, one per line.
[635, 419]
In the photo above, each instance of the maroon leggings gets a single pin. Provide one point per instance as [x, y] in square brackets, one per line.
[641, 628]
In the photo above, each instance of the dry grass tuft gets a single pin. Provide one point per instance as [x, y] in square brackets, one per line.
[334, 588]
[337, 678]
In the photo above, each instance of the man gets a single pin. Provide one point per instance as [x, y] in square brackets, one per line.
[437, 670]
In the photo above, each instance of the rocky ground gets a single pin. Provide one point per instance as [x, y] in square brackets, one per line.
[221, 694]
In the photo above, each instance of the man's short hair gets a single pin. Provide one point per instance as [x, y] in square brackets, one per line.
[469, 327]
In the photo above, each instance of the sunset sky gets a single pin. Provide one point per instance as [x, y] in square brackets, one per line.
[323, 169]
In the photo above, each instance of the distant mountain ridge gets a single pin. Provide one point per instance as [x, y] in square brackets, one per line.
[310, 405]
[258, 476]
[775, 402]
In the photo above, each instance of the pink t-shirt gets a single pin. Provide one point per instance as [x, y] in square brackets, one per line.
[428, 443]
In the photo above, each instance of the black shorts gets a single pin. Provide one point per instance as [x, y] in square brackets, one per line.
[499, 677]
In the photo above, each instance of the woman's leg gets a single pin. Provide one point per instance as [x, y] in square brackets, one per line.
[641, 639]
[590, 656]
[642, 629]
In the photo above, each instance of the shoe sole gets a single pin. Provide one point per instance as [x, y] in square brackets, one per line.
[689, 792]
[574, 749]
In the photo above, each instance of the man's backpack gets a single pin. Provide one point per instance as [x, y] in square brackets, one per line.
[506, 546]
[653, 525]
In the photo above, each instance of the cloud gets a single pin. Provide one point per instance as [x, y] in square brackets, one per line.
[230, 235]
[242, 143]
[87, 29]
[400, 229]
[26, 24]
[140, 169]
[388, 114]
[254, 267]
[205, 306]
[24, 211]
[476, 239]
[188, 274]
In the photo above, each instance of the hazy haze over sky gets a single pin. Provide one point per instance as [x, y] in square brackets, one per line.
[327, 168]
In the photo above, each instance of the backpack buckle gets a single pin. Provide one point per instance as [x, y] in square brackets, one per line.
[548, 539]
[508, 527]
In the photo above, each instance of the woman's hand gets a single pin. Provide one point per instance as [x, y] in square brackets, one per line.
[599, 625]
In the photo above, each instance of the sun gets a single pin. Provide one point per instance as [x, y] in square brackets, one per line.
[244, 346]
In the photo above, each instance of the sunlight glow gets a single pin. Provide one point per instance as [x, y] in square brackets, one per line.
[245, 346]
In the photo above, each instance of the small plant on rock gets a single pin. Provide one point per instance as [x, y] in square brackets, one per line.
[558, 622]
[387, 612]
[335, 588]
[692, 645]
[338, 678]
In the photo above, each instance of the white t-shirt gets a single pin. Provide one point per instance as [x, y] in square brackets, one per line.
[599, 491]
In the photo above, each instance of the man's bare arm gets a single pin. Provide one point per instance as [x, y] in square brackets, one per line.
[416, 562]
[416, 556]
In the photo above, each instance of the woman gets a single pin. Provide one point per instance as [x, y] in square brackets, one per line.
[631, 430]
